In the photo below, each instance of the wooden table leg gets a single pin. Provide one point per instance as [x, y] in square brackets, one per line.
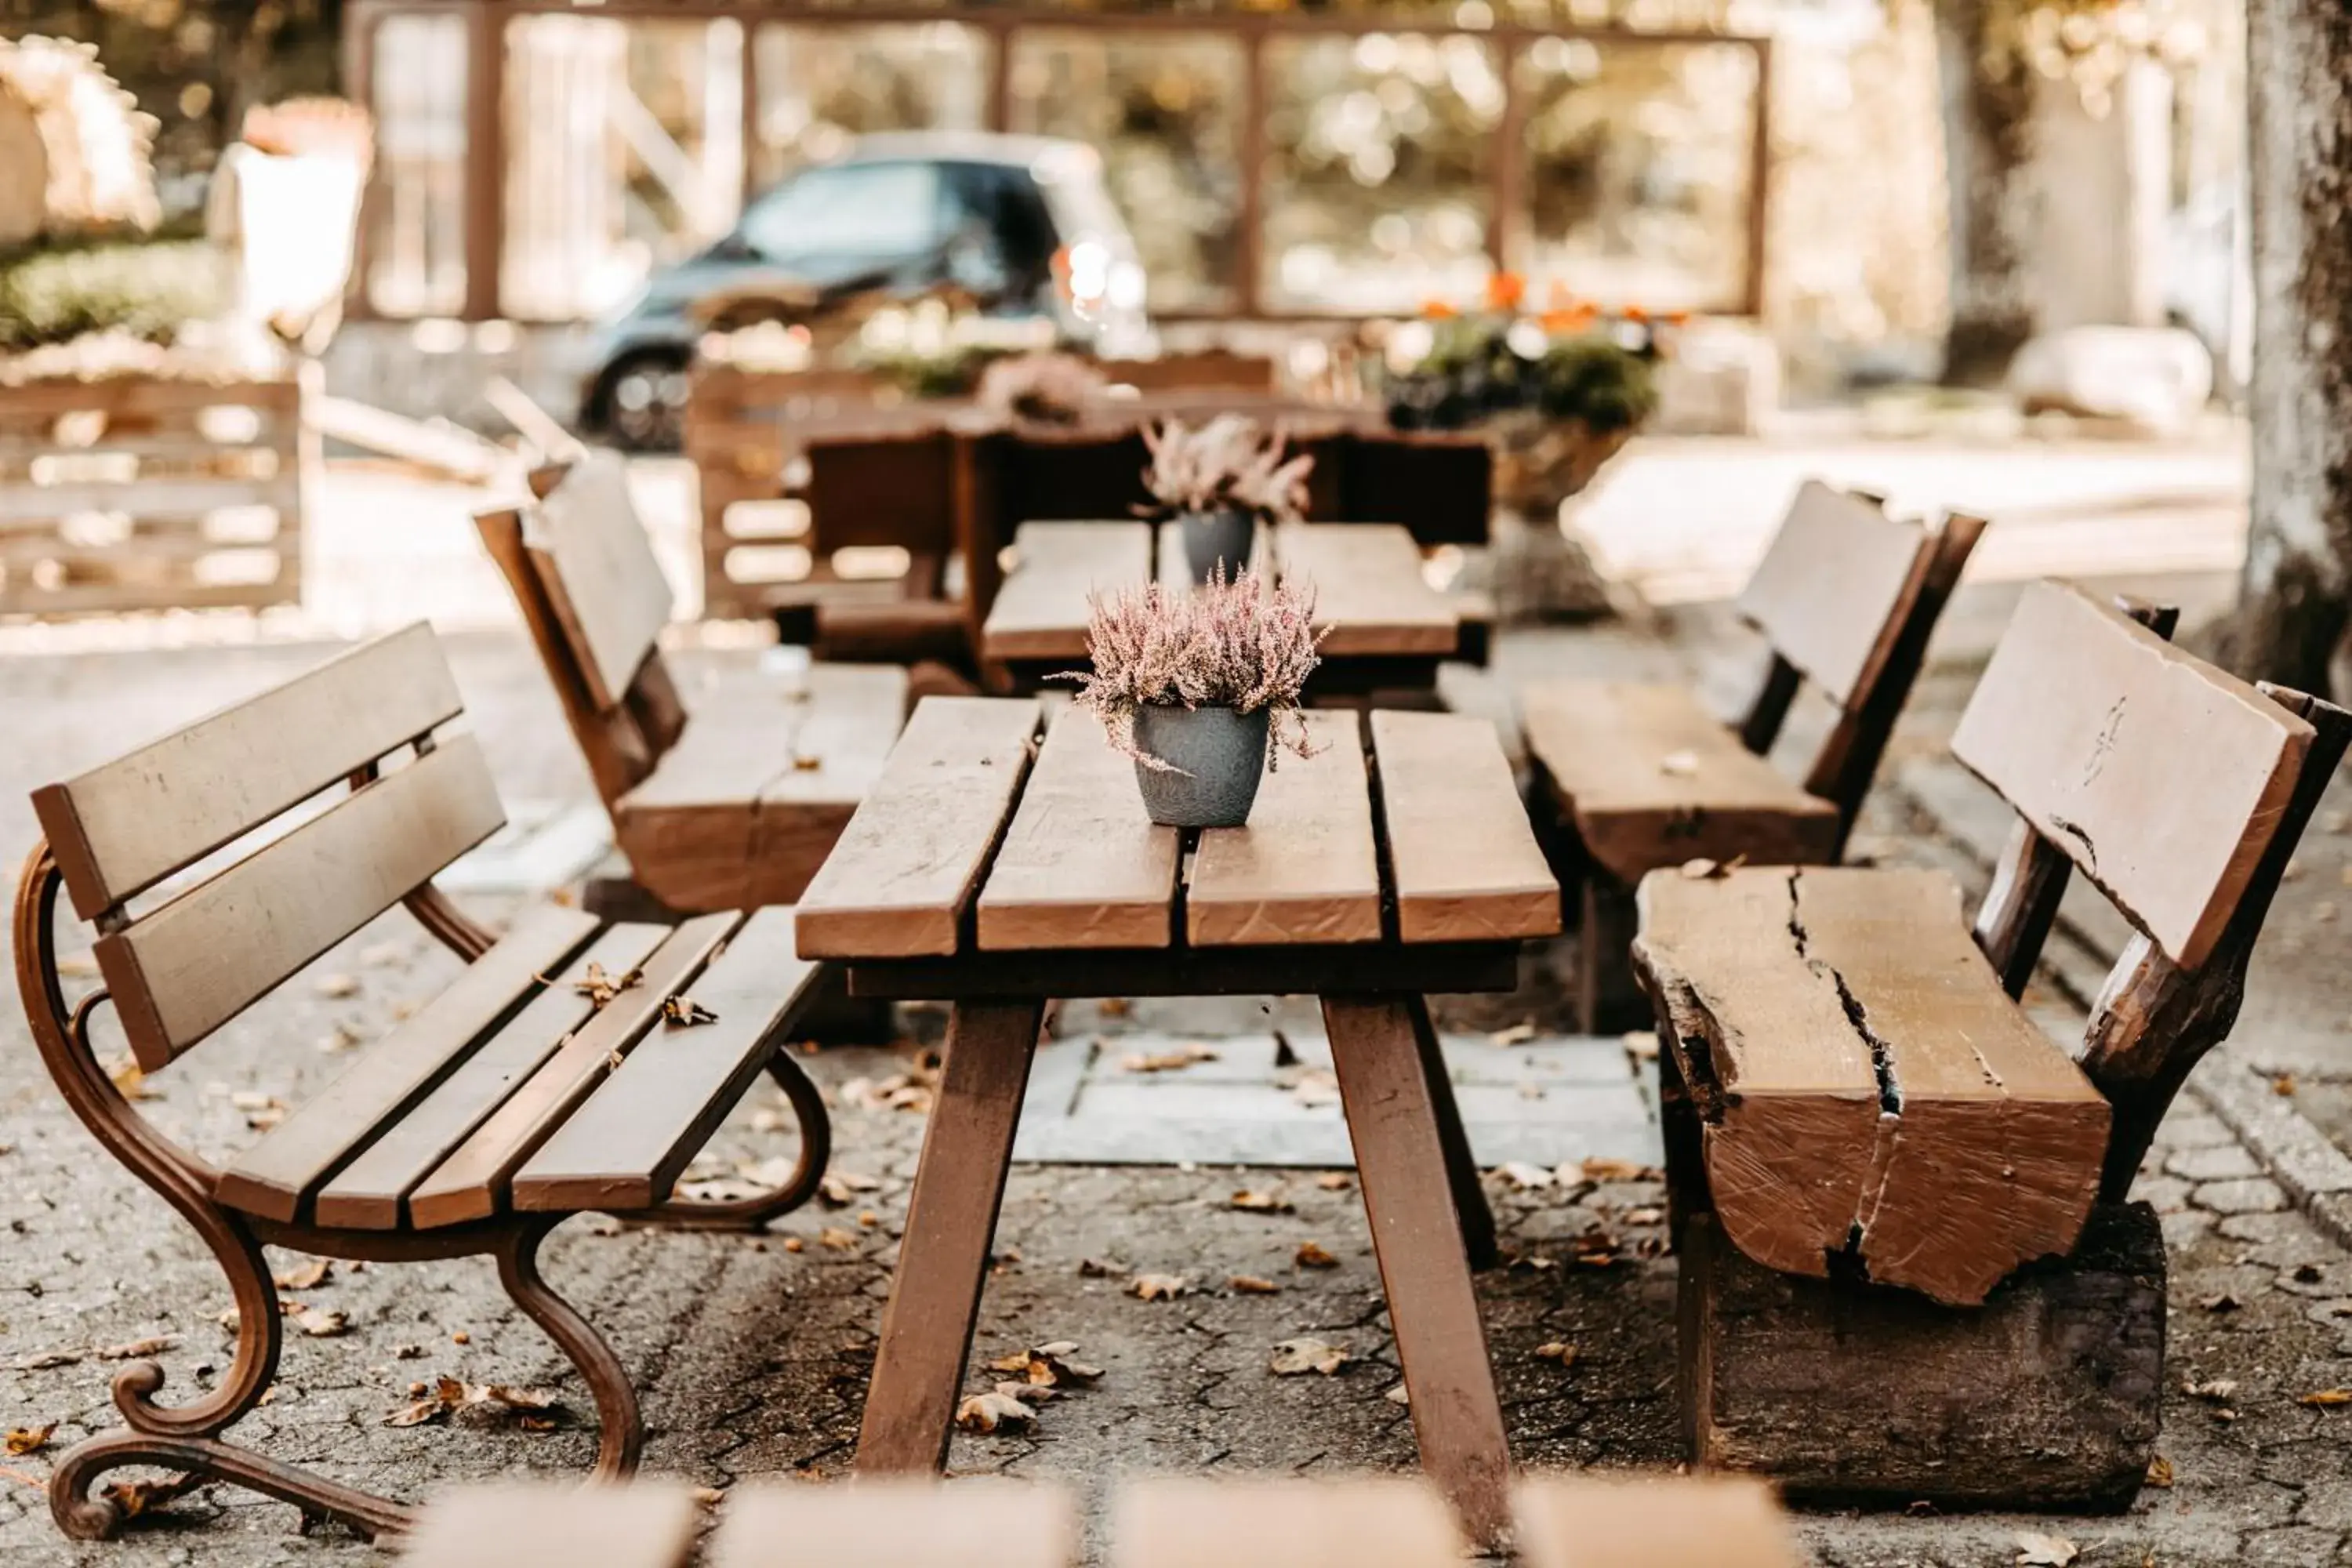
[951, 1223]
[1417, 1233]
[1461, 1163]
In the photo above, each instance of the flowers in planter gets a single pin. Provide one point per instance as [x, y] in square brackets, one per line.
[1571, 362]
[1232, 642]
[1043, 388]
[1230, 464]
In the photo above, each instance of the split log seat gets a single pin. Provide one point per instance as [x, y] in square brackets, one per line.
[575, 1064]
[1902, 1208]
[1632, 778]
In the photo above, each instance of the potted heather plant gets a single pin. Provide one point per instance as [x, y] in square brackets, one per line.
[1219, 481]
[1200, 691]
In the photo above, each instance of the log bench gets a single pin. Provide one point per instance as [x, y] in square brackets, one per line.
[552, 1077]
[1630, 778]
[1909, 1266]
[724, 798]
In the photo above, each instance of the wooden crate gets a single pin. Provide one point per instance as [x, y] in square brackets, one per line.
[144, 493]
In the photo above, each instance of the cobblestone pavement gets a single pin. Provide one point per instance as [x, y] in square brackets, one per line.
[752, 1352]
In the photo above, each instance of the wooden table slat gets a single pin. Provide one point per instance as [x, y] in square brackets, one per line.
[1305, 868]
[1465, 863]
[1369, 588]
[1040, 610]
[1083, 865]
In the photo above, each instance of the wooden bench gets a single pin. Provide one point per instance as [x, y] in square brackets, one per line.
[522, 1094]
[727, 797]
[1206, 1522]
[1854, 1095]
[1631, 778]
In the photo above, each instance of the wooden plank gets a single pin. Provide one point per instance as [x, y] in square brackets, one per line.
[471, 1182]
[144, 395]
[1082, 865]
[647, 1523]
[1368, 589]
[1462, 861]
[120, 828]
[1243, 1521]
[273, 1178]
[1832, 589]
[1305, 869]
[1650, 779]
[1975, 1146]
[204, 957]
[1441, 1344]
[601, 577]
[950, 1225]
[370, 1193]
[897, 883]
[437, 446]
[2160, 776]
[1652, 1521]
[625, 1148]
[1041, 612]
[898, 1522]
[182, 496]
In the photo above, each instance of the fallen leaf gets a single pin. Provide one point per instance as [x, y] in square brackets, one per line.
[794, 1244]
[534, 1410]
[1159, 1287]
[1251, 1285]
[1399, 1394]
[1293, 1357]
[1315, 1088]
[1526, 1178]
[23, 1440]
[1311, 1255]
[2283, 1086]
[1517, 1034]
[137, 1349]
[336, 1041]
[1101, 1268]
[2325, 1398]
[1642, 1044]
[1701, 869]
[132, 1499]
[2037, 1550]
[461, 1338]
[1260, 1203]
[1177, 1061]
[993, 1412]
[1114, 1006]
[1335, 1181]
[1602, 1169]
[1559, 1350]
[2219, 1390]
[1678, 765]
[41, 1360]
[601, 988]
[1645, 1216]
[807, 762]
[840, 1240]
[128, 1081]
[2219, 1302]
[685, 1011]
[2159, 1472]
[335, 987]
[1048, 1366]
[839, 1188]
[319, 1322]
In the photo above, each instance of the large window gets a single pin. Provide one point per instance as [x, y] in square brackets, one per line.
[416, 221]
[820, 85]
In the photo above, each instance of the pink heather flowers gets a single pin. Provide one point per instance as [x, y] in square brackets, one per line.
[1228, 464]
[1225, 645]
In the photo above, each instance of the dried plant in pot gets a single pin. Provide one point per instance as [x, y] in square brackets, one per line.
[1200, 691]
[1219, 481]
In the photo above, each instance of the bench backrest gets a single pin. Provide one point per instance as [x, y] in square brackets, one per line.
[2161, 777]
[179, 971]
[584, 573]
[882, 486]
[1218, 368]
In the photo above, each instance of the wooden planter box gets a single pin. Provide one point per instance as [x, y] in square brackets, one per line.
[137, 493]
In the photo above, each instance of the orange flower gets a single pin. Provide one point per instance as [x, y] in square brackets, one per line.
[1678, 318]
[1568, 319]
[1635, 313]
[1558, 296]
[1505, 290]
[1438, 310]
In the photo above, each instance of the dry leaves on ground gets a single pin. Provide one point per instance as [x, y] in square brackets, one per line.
[685, 1012]
[1559, 1351]
[1398, 1394]
[1310, 1088]
[600, 987]
[910, 1091]
[137, 1349]
[1518, 1033]
[2036, 1549]
[310, 1277]
[319, 1322]
[533, 1410]
[1335, 1181]
[1251, 1285]
[1312, 1254]
[840, 1188]
[1102, 1267]
[1293, 1357]
[2219, 1390]
[2219, 1302]
[336, 987]
[838, 1239]
[1048, 1366]
[1523, 1176]
[23, 1440]
[2159, 1472]
[128, 1081]
[42, 1360]
[336, 1041]
[995, 1411]
[262, 1111]
[1159, 1287]
[1602, 1169]
[132, 1499]
[2325, 1398]
[1177, 1061]
[1260, 1203]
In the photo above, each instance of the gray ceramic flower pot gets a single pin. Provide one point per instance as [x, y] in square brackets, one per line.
[1214, 536]
[1220, 755]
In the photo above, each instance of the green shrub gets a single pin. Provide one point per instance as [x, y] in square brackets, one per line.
[52, 295]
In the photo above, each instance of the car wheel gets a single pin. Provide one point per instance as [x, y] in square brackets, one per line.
[645, 402]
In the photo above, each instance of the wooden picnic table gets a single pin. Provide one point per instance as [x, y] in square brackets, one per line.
[995, 874]
[1388, 629]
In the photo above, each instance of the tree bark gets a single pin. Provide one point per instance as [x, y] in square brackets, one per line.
[2295, 593]
[1987, 138]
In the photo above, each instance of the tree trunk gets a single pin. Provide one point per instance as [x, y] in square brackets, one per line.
[2296, 594]
[1987, 137]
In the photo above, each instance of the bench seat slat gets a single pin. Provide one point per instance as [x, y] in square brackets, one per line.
[898, 1522]
[1653, 779]
[1863, 1078]
[470, 1183]
[648, 1523]
[1082, 865]
[275, 1176]
[1652, 1521]
[1305, 868]
[370, 1193]
[644, 1123]
[190, 966]
[121, 827]
[907, 865]
[1205, 1522]
[1467, 865]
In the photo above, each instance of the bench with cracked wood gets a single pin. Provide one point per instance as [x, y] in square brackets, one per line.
[1631, 778]
[1909, 1267]
[726, 794]
[557, 1074]
[1195, 1521]
[998, 875]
